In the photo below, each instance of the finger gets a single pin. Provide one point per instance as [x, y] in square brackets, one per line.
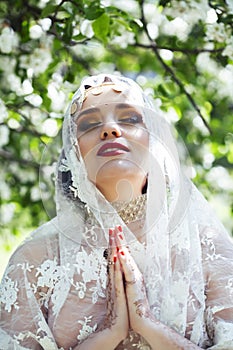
[119, 285]
[129, 267]
[111, 252]
[119, 236]
[121, 303]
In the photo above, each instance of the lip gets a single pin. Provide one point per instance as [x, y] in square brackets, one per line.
[112, 149]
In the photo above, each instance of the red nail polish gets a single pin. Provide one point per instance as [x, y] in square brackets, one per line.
[114, 258]
[122, 253]
[110, 231]
[120, 236]
[118, 249]
[120, 228]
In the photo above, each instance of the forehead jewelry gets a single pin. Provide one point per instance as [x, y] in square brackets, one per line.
[99, 89]
[73, 108]
[95, 91]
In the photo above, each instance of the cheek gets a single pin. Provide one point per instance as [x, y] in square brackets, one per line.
[82, 148]
[86, 144]
[141, 139]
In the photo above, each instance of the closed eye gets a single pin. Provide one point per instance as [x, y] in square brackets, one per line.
[131, 118]
[86, 125]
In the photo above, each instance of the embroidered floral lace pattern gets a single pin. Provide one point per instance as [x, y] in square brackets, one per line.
[86, 328]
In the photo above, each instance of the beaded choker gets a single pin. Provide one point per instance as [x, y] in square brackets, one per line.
[133, 210]
[128, 211]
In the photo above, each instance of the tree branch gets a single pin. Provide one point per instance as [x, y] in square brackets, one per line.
[188, 51]
[169, 70]
[11, 157]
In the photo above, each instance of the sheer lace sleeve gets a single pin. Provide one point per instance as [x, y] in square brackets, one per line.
[218, 264]
[24, 298]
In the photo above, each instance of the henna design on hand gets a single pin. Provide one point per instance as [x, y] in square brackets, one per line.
[141, 310]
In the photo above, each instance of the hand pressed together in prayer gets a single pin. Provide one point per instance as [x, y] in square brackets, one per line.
[117, 319]
[128, 285]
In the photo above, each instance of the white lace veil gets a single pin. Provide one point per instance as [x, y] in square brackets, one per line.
[176, 213]
[185, 255]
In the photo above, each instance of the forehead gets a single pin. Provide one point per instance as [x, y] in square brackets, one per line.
[111, 94]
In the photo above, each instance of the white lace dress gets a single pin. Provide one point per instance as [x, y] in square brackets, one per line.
[48, 304]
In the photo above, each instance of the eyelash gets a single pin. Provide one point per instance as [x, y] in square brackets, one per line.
[130, 118]
[134, 118]
[85, 125]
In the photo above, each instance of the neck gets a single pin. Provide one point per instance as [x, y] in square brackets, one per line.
[122, 191]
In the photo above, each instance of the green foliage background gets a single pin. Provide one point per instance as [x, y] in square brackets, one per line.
[181, 52]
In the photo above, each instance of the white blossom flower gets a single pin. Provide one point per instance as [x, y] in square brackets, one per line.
[57, 96]
[204, 63]
[217, 32]
[225, 76]
[129, 6]
[189, 12]
[50, 127]
[4, 135]
[34, 99]
[35, 31]
[126, 38]
[35, 194]
[212, 16]
[86, 28]
[13, 82]
[153, 14]
[5, 192]
[8, 40]
[8, 63]
[7, 212]
[27, 87]
[228, 51]
[3, 111]
[230, 5]
[177, 27]
[45, 23]
[39, 60]
[153, 30]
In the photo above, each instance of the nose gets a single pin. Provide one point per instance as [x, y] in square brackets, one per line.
[110, 130]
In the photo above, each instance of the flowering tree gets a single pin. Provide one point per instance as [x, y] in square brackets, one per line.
[181, 52]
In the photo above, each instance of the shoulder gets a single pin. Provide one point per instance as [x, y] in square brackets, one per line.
[42, 244]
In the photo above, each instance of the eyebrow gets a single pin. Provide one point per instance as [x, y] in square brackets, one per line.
[97, 110]
[124, 106]
[88, 111]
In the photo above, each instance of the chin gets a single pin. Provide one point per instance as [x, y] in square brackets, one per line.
[119, 171]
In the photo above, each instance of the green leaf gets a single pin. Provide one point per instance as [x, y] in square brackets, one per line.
[49, 9]
[101, 27]
[93, 12]
[68, 30]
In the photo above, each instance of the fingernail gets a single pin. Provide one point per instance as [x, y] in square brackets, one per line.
[122, 253]
[120, 236]
[114, 258]
[120, 228]
[118, 249]
[110, 231]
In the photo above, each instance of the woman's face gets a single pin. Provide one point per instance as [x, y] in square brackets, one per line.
[113, 140]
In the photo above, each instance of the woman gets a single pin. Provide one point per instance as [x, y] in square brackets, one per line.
[134, 259]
